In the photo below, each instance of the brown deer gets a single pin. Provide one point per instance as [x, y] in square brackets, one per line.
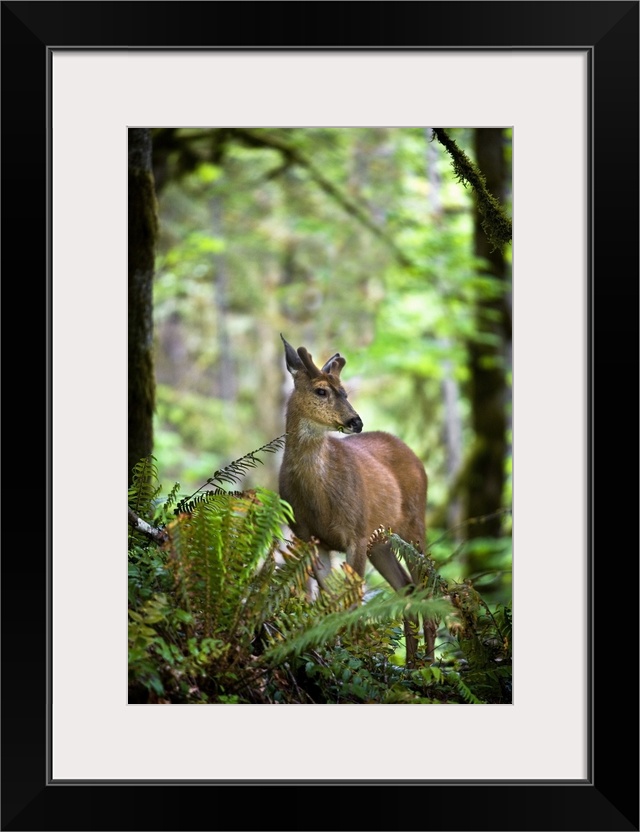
[342, 489]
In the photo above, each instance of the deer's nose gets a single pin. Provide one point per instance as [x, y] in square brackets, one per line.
[355, 424]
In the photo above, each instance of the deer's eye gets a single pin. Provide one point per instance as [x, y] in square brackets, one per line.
[320, 391]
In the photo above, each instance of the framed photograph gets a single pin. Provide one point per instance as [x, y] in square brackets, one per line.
[564, 78]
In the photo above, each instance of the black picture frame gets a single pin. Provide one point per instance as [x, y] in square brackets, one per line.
[608, 799]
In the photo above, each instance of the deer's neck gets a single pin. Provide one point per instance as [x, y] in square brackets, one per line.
[307, 448]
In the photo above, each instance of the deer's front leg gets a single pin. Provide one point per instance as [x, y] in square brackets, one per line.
[357, 557]
[321, 569]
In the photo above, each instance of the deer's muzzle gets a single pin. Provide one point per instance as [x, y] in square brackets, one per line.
[353, 425]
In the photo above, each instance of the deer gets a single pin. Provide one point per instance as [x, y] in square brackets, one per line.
[343, 489]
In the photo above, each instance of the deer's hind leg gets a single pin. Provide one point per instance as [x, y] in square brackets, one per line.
[430, 626]
[385, 561]
[387, 564]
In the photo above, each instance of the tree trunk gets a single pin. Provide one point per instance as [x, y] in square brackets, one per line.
[488, 389]
[143, 226]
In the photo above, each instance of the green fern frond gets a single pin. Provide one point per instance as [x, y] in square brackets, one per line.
[381, 608]
[164, 510]
[234, 472]
[343, 590]
[467, 694]
[422, 567]
[142, 493]
[276, 582]
[259, 538]
[144, 487]
[503, 618]
[266, 515]
[216, 554]
[187, 505]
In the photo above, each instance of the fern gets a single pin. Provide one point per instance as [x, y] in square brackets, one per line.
[342, 591]
[144, 487]
[275, 583]
[503, 621]
[219, 611]
[266, 514]
[165, 509]
[216, 551]
[232, 473]
[422, 567]
[323, 627]
[467, 694]
[260, 537]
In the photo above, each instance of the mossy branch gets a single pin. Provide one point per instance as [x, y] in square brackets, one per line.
[495, 223]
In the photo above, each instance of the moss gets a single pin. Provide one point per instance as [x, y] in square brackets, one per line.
[495, 224]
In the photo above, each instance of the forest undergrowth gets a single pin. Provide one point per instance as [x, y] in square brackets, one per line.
[220, 610]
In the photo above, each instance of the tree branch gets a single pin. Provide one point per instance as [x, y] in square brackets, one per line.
[495, 223]
[293, 156]
[159, 536]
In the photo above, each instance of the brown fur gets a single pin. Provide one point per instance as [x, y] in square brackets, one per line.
[342, 490]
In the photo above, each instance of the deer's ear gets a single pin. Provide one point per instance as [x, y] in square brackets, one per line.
[294, 364]
[334, 365]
